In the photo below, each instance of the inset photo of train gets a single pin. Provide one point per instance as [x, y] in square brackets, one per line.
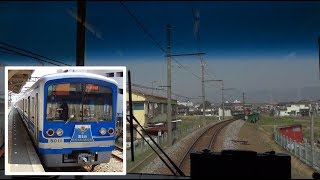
[65, 119]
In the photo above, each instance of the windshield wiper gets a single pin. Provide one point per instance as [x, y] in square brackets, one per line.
[67, 121]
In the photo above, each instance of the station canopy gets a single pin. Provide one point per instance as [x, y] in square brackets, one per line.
[17, 79]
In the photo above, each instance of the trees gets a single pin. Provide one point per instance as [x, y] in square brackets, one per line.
[207, 104]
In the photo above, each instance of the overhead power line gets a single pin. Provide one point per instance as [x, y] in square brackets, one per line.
[26, 55]
[145, 30]
[146, 87]
[20, 49]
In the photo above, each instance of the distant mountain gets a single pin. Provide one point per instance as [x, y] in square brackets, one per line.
[310, 93]
[284, 95]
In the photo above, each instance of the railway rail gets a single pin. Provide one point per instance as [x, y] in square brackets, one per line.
[205, 141]
[118, 153]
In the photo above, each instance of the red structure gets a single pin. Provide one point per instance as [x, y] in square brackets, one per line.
[293, 132]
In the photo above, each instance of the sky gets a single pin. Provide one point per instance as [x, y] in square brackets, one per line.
[261, 48]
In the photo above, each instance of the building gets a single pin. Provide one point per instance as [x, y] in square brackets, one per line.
[227, 112]
[183, 110]
[292, 109]
[188, 103]
[293, 132]
[150, 108]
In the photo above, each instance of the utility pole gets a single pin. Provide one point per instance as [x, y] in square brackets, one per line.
[81, 33]
[222, 99]
[203, 90]
[81, 37]
[222, 94]
[169, 115]
[169, 56]
[152, 87]
[312, 112]
[243, 106]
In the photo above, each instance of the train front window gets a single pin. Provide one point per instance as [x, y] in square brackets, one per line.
[79, 102]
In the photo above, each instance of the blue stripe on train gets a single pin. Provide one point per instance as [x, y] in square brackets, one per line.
[69, 150]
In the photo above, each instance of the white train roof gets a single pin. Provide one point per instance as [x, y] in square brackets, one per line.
[77, 75]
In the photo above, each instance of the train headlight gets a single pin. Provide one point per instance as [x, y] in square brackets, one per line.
[59, 132]
[110, 131]
[103, 131]
[50, 132]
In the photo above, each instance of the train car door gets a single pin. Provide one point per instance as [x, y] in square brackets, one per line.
[36, 116]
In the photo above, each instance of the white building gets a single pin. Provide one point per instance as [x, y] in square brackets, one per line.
[188, 103]
[293, 110]
[227, 112]
[236, 101]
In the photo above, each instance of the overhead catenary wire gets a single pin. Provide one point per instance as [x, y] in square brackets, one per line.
[26, 55]
[146, 87]
[20, 49]
[144, 29]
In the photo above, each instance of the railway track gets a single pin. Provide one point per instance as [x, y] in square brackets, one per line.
[205, 141]
[118, 153]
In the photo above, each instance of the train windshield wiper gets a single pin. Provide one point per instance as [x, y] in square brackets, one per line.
[67, 121]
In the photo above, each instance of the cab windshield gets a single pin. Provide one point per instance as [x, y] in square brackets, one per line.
[79, 102]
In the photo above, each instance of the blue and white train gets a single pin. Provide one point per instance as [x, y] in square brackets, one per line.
[71, 118]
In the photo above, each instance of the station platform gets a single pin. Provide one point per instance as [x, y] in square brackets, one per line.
[22, 156]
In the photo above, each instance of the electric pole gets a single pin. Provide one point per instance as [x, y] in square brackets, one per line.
[203, 90]
[169, 117]
[81, 33]
[243, 106]
[169, 56]
[312, 112]
[152, 86]
[222, 99]
[222, 94]
[81, 37]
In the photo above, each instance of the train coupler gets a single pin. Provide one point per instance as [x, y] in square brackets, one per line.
[85, 158]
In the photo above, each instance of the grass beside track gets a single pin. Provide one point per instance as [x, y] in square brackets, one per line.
[268, 122]
[187, 122]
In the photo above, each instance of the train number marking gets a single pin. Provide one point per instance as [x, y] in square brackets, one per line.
[55, 140]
